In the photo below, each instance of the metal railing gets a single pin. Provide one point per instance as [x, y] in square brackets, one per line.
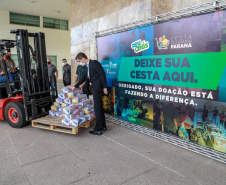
[187, 12]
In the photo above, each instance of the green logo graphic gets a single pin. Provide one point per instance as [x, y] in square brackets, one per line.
[139, 45]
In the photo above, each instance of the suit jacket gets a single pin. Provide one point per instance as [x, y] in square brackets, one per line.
[97, 77]
[67, 73]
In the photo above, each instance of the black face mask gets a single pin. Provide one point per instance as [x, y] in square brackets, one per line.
[49, 62]
[8, 57]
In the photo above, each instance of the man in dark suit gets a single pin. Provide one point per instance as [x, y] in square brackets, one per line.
[66, 73]
[96, 76]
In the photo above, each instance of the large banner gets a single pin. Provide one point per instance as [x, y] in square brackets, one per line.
[170, 77]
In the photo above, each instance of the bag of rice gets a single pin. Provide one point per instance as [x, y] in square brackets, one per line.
[62, 95]
[91, 115]
[69, 109]
[63, 105]
[87, 110]
[59, 114]
[78, 112]
[84, 118]
[66, 89]
[88, 102]
[65, 122]
[54, 108]
[77, 99]
[70, 116]
[52, 113]
[70, 95]
[56, 104]
[68, 101]
[59, 100]
[75, 122]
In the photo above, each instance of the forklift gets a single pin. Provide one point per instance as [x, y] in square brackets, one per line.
[29, 96]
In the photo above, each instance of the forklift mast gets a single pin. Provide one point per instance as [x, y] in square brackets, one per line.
[35, 88]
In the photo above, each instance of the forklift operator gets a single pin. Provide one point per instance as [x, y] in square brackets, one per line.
[10, 64]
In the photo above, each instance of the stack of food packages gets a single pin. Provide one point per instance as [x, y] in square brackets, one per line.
[73, 107]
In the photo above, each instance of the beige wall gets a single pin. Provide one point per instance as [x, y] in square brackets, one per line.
[88, 16]
[57, 41]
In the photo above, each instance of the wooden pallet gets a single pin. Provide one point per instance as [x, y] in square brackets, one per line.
[55, 124]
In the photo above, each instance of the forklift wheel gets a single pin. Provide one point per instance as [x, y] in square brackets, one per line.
[15, 114]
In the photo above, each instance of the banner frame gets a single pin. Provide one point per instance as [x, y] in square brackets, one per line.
[174, 15]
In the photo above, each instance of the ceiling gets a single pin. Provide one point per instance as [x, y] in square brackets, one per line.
[59, 9]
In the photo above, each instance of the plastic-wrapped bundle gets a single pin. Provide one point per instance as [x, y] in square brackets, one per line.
[88, 102]
[63, 105]
[77, 91]
[75, 107]
[84, 103]
[91, 107]
[66, 89]
[52, 113]
[70, 116]
[84, 118]
[84, 96]
[59, 100]
[88, 109]
[91, 115]
[68, 101]
[54, 108]
[77, 99]
[59, 114]
[56, 104]
[75, 122]
[70, 95]
[78, 107]
[78, 113]
[62, 95]
[65, 122]
[69, 109]
[60, 109]
[74, 93]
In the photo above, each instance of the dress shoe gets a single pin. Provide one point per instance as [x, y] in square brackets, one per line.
[104, 128]
[94, 132]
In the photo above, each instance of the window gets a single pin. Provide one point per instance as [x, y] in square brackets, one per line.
[15, 58]
[28, 20]
[54, 59]
[55, 23]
